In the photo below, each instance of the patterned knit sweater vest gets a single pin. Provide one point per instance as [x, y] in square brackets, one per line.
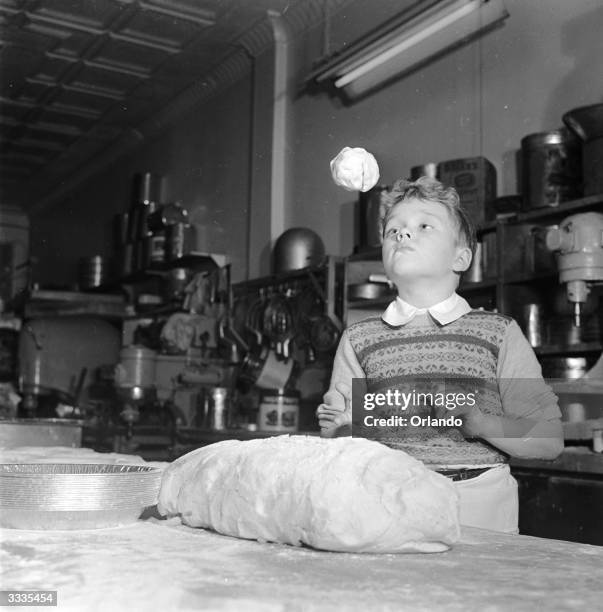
[466, 349]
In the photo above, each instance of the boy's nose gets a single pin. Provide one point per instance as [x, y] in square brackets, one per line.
[403, 235]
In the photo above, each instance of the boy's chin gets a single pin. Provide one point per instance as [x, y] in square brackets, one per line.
[404, 272]
[408, 275]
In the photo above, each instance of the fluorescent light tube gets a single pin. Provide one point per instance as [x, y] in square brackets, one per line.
[443, 26]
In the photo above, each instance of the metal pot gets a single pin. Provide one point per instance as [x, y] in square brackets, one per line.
[587, 123]
[297, 248]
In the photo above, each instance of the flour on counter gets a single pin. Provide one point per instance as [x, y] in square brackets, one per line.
[343, 494]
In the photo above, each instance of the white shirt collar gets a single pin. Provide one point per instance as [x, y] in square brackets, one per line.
[452, 308]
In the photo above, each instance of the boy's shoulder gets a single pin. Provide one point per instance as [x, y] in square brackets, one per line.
[489, 315]
[484, 324]
[364, 324]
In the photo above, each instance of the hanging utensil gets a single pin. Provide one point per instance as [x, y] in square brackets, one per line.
[278, 324]
[253, 323]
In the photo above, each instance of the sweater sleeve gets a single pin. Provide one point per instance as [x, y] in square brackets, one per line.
[523, 391]
[345, 368]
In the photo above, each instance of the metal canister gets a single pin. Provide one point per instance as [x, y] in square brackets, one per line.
[475, 273]
[136, 367]
[370, 222]
[121, 223]
[430, 170]
[93, 271]
[174, 241]
[146, 188]
[551, 168]
[533, 323]
[126, 259]
[218, 408]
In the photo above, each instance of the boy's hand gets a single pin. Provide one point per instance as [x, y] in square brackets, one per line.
[470, 415]
[330, 417]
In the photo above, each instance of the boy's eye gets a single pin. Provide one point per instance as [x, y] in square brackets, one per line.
[392, 231]
[426, 226]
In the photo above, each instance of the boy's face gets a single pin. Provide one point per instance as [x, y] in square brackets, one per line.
[421, 241]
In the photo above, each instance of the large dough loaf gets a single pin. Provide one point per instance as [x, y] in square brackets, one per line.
[343, 494]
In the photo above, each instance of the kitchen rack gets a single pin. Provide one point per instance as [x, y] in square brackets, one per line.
[324, 282]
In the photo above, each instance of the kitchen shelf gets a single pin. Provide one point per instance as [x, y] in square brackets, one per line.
[42, 303]
[281, 277]
[197, 262]
[589, 203]
[530, 278]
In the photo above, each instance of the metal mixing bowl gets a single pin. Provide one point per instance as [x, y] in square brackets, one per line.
[75, 496]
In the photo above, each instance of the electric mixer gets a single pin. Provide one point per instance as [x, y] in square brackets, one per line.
[578, 242]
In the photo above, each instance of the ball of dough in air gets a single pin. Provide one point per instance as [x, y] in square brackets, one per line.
[355, 169]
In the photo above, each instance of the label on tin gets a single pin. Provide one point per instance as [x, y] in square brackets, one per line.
[278, 413]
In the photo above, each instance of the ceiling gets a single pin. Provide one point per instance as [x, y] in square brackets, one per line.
[79, 75]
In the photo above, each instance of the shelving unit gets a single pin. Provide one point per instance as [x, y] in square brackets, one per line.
[324, 282]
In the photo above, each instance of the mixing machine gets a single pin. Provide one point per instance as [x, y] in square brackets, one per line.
[578, 241]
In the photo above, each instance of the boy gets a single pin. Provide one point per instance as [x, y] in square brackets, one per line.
[429, 331]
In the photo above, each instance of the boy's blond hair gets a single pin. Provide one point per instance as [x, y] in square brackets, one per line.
[430, 190]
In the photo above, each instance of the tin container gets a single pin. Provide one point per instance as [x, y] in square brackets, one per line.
[429, 169]
[136, 367]
[218, 408]
[121, 223]
[587, 123]
[475, 273]
[533, 324]
[174, 242]
[279, 410]
[370, 222]
[93, 271]
[146, 188]
[474, 178]
[551, 168]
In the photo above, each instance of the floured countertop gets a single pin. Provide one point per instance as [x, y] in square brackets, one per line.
[163, 565]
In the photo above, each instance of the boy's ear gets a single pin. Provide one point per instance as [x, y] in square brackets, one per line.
[462, 260]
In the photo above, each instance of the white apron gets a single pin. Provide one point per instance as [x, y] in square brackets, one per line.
[490, 500]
